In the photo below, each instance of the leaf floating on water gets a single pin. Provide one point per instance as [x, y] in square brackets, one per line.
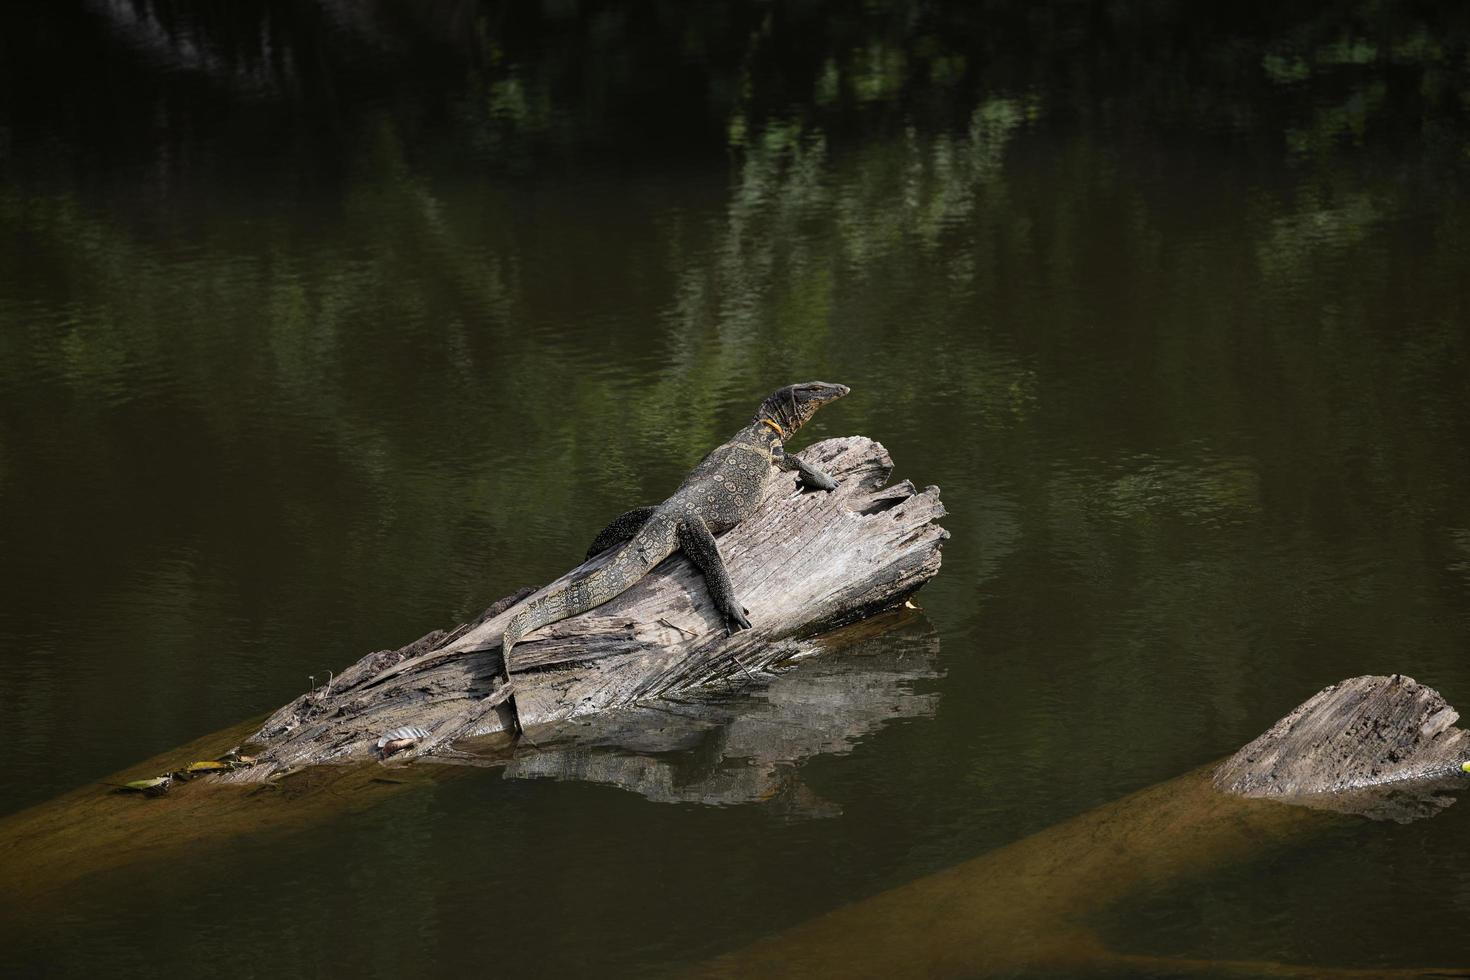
[156, 786]
[200, 767]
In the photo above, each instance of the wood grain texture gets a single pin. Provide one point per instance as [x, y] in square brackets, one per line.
[1385, 747]
[805, 562]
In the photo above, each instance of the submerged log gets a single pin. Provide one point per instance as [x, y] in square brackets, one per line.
[1025, 908]
[805, 562]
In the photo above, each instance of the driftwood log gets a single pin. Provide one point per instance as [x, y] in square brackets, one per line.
[804, 563]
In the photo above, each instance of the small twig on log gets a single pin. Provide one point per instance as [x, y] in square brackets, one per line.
[676, 626]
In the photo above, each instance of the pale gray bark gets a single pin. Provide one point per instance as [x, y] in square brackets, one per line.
[1383, 747]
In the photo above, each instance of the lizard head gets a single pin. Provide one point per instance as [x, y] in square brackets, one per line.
[793, 406]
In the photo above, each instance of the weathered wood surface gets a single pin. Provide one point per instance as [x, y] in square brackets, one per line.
[1383, 747]
[805, 562]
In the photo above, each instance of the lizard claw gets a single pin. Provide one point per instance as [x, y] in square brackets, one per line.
[736, 620]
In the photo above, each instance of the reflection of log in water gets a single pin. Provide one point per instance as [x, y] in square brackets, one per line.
[744, 745]
[1378, 746]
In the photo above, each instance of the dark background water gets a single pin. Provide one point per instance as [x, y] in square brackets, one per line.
[324, 324]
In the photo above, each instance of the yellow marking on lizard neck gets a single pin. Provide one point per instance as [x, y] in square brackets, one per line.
[780, 433]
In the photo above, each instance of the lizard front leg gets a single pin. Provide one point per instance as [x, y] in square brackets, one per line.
[696, 541]
[810, 475]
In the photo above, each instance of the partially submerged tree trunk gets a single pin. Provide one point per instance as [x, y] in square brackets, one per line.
[803, 563]
[1025, 907]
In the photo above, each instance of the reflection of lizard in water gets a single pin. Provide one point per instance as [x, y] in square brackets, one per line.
[723, 490]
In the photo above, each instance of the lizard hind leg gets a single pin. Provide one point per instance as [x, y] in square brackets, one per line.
[696, 541]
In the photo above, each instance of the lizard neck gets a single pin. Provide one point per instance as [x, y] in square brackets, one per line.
[762, 433]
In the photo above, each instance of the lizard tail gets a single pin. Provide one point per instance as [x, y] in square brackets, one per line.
[631, 562]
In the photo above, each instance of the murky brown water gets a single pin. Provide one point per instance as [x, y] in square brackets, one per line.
[322, 325]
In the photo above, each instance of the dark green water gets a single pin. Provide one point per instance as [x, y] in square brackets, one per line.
[324, 325]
